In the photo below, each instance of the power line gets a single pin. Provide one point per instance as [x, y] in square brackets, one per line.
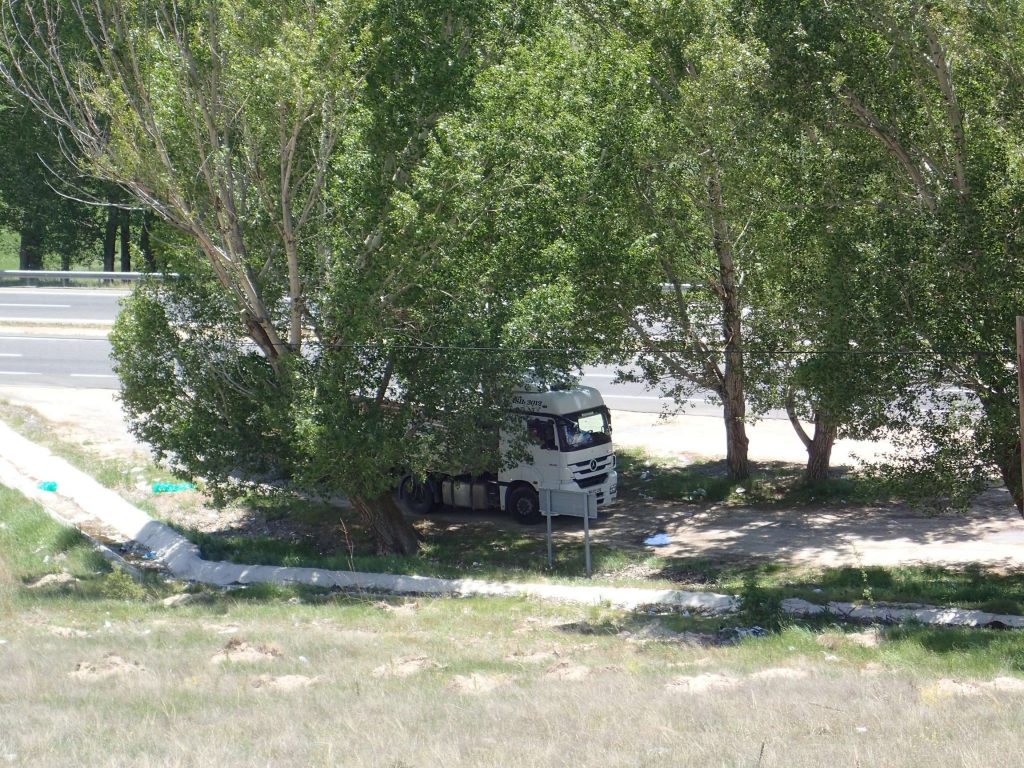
[590, 352]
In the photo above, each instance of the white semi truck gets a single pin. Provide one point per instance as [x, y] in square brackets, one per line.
[568, 439]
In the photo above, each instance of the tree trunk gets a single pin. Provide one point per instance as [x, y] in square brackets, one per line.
[735, 410]
[733, 401]
[30, 249]
[390, 530]
[1009, 471]
[1002, 416]
[110, 239]
[819, 450]
[145, 245]
[126, 242]
[819, 447]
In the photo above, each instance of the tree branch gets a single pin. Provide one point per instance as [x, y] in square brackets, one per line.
[880, 131]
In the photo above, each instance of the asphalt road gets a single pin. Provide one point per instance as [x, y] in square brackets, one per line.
[59, 305]
[66, 361]
[57, 359]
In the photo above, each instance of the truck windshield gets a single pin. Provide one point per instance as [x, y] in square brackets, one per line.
[584, 429]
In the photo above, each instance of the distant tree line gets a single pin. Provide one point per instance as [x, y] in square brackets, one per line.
[58, 214]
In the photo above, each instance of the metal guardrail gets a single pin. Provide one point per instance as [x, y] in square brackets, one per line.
[58, 274]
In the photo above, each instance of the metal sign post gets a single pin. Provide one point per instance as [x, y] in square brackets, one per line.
[551, 552]
[586, 543]
[574, 504]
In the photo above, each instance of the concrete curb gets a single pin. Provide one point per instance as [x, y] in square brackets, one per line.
[24, 464]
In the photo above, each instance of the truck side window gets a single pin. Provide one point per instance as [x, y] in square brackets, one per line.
[542, 433]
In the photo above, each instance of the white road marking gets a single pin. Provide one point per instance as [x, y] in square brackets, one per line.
[55, 320]
[20, 373]
[10, 354]
[52, 338]
[38, 306]
[64, 292]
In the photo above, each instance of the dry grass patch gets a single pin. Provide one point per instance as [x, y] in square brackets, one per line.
[284, 683]
[947, 688]
[566, 671]
[111, 665]
[780, 673]
[238, 651]
[58, 580]
[868, 638]
[535, 657]
[406, 666]
[185, 598]
[401, 609]
[57, 631]
[709, 681]
[478, 682]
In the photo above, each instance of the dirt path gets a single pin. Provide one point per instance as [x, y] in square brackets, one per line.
[991, 534]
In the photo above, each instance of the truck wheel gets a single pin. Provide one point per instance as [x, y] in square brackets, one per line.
[417, 496]
[524, 505]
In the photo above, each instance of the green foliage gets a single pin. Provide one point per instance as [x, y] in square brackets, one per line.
[8, 249]
[761, 607]
[36, 191]
[119, 585]
[938, 130]
[383, 337]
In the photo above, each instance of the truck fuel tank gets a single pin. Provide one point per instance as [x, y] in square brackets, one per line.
[465, 492]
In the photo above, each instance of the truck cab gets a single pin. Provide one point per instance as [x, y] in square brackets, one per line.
[568, 446]
[569, 441]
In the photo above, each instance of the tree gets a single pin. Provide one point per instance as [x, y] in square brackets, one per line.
[827, 288]
[675, 200]
[34, 202]
[287, 143]
[935, 87]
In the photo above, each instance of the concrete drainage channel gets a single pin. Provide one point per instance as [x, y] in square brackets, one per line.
[24, 465]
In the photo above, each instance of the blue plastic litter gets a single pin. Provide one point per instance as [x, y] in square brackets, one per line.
[159, 487]
[47, 485]
[660, 539]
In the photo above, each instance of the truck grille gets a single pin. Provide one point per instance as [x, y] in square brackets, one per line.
[588, 482]
[592, 472]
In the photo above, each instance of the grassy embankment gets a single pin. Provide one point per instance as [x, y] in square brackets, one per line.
[99, 671]
[291, 531]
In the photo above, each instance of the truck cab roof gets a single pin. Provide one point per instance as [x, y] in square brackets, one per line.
[556, 402]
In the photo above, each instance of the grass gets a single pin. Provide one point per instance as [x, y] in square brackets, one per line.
[314, 534]
[643, 476]
[974, 587]
[485, 553]
[9, 249]
[475, 682]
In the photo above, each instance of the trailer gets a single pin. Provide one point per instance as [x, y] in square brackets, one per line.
[568, 439]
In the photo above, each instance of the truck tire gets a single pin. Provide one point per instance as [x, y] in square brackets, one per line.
[523, 505]
[417, 496]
